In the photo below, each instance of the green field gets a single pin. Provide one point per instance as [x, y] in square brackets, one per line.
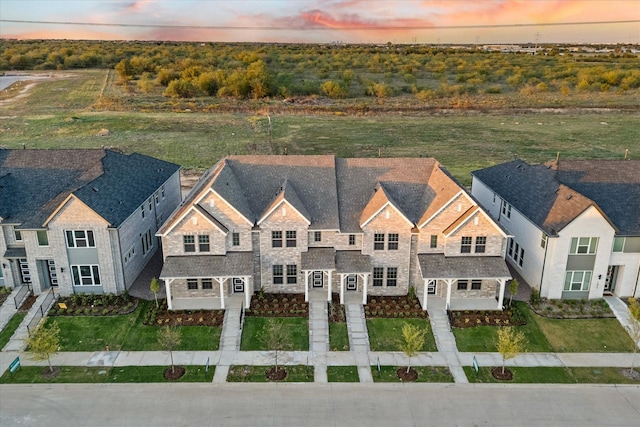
[62, 114]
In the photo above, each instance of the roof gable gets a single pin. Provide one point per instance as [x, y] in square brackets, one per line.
[380, 200]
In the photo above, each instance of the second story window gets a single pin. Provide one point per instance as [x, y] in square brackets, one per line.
[276, 239]
[506, 209]
[189, 243]
[203, 243]
[317, 236]
[434, 241]
[43, 238]
[291, 238]
[392, 245]
[465, 245]
[18, 235]
[378, 241]
[481, 244]
[583, 245]
[235, 239]
[80, 239]
[543, 240]
[142, 211]
[352, 239]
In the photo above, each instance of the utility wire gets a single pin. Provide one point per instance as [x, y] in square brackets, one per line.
[317, 27]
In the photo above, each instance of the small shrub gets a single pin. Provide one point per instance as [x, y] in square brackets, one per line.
[535, 299]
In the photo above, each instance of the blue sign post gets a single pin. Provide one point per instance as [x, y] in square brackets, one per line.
[475, 365]
[15, 365]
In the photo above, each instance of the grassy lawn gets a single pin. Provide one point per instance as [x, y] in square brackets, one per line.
[121, 374]
[585, 335]
[256, 374]
[343, 374]
[94, 333]
[9, 329]
[426, 374]
[338, 337]
[385, 333]
[483, 338]
[552, 375]
[253, 330]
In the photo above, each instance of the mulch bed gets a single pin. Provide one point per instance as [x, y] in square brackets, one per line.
[49, 374]
[278, 305]
[27, 304]
[4, 294]
[410, 376]
[573, 309]
[274, 374]
[394, 307]
[94, 305]
[497, 374]
[631, 374]
[164, 317]
[174, 374]
[471, 318]
[336, 310]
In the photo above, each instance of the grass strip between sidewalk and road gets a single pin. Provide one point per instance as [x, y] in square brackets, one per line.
[553, 375]
[426, 374]
[118, 374]
[342, 374]
[257, 374]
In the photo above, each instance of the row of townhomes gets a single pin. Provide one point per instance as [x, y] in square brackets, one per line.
[81, 220]
[575, 224]
[321, 225]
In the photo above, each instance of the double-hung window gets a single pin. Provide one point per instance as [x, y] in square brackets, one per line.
[392, 244]
[192, 284]
[203, 243]
[291, 238]
[276, 239]
[434, 241]
[292, 274]
[481, 244]
[189, 243]
[277, 273]
[392, 276]
[80, 239]
[378, 276]
[506, 209]
[235, 239]
[317, 236]
[352, 239]
[378, 241]
[577, 280]
[465, 245]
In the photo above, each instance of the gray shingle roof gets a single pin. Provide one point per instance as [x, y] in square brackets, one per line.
[352, 262]
[33, 183]
[318, 259]
[552, 195]
[15, 253]
[438, 266]
[229, 265]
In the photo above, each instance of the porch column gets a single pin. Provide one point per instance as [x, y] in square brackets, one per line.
[167, 287]
[424, 282]
[501, 295]
[247, 295]
[306, 286]
[329, 294]
[342, 277]
[364, 289]
[221, 281]
[449, 282]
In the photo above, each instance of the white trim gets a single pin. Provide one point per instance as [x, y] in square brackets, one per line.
[276, 206]
[65, 202]
[478, 210]
[184, 215]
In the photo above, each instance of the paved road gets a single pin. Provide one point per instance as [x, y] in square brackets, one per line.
[398, 405]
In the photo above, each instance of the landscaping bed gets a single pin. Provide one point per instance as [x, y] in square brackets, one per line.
[278, 305]
[4, 294]
[161, 316]
[511, 316]
[94, 305]
[572, 309]
[419, 374]
[406, 306]
[336, 310]
[260, 374]
[554, 375]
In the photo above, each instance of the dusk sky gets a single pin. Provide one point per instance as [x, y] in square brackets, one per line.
[322, 21]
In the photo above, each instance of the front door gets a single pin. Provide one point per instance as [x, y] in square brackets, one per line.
[610, 281]
[317, 279]
[238, 285]
[352, 283]
[53, 276]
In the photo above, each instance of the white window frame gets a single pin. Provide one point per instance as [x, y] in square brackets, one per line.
[570, 280]
[94, 270]
[621, 247]
[17, 234]
[506, 209]
[589, 243]
[46, 238]
[543, 240]
[89, 237]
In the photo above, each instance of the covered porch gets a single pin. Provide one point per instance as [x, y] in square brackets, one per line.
[208, 281]
[480, 281]
[354, 270]
[317, 266]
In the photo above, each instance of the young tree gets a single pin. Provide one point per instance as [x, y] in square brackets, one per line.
[169, 338]
[275, 337]
[44, 342]
[513, 289]
[510, 343]
[412, 340]
[154, 287]
[634, 327]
